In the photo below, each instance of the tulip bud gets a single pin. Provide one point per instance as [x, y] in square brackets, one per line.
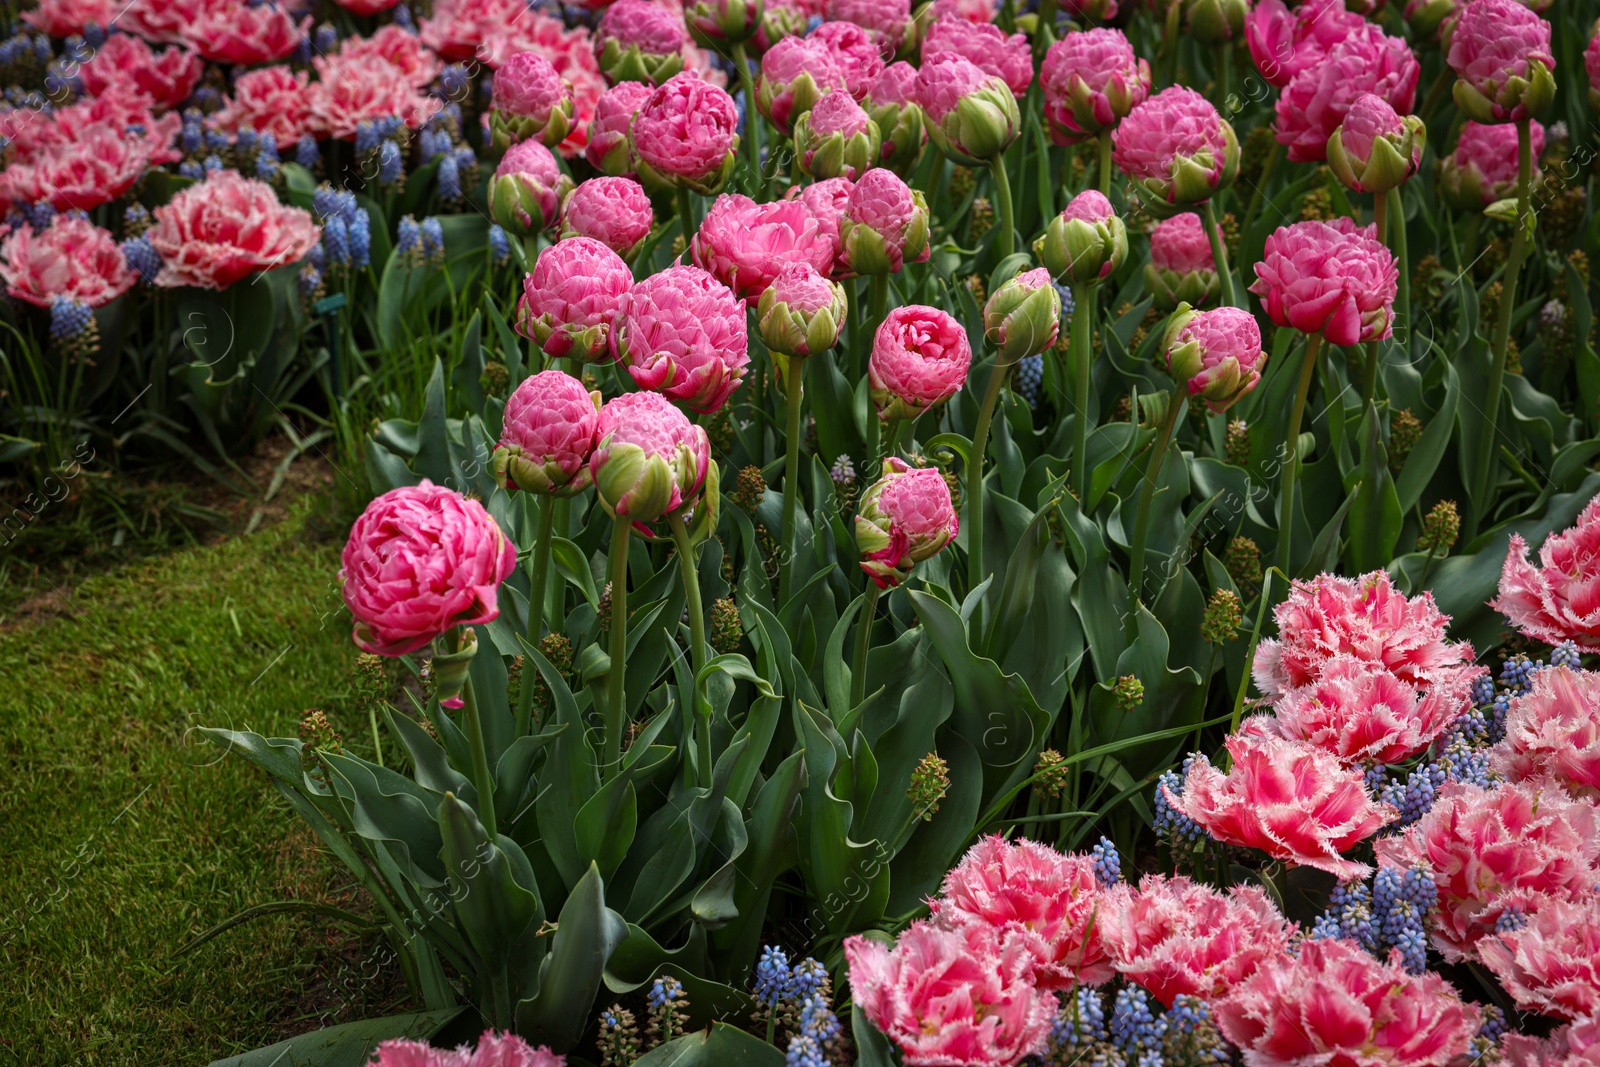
[801, 313]
[1424, 16]
[891, 103]
[1215, 21]
[639, 41]
[884, 226]
[1500, 51]
[1181, 269]
[716, 23]
[1176, 151]
[547, 436]
[1375, 149]
[650, 460]
[971, 116]
[526, 191]
[1216, 353]
[1084, 243]
[905, 517]
[836, 139]
[531, 101]
[1022, 317]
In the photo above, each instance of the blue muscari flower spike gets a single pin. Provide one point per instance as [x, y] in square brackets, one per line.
[499, 245]
[94, 36]
[1030, 376]
[318, 257]
[216, 140]
[366, 137]
[805, 979]
[142, 258]
[360, 239]
[326, 40]
[306, 152]
[39, 215]
[408, 235]
[325, 202]
[190, 169]
[1107, 863]
[214, 163]
[43, 49]
[1082, 1022]
[433, 239]
[247, 140]
[449, 178]
[1134, 1027]
[403, 18]
[1509, 920]
[1169, 819]
[336, 239]
[267, 163]
[817, 1020]
[1067, 303]
[310, 279]
[69, 318]
[76, 50]
[206, 98]
[389, 163]
[1483, 690]
[772, 976]
[804, 1052]
[302, 51]
[453, 80]
[1517, 673]
[664, 991]
[1566, 655]
[192, 136]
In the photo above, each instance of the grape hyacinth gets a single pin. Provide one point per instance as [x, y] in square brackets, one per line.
[1566, 655]
[267, 161]
[360, 232]
[1169, 821]
[306, 152]
[433, 241]
[1030, 376]
[499, 245]
[390, 165]
[772, 978]
[1107, 863]
[72, 327]
[1135, 1029]
[142, 257]
[1349, 916]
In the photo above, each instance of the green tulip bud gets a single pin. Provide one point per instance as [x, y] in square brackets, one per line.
[972, 116]
[1022, 317]
[1374, 149]
[836, 139]
[801, 313]
[1215, 21]
[1084, 243]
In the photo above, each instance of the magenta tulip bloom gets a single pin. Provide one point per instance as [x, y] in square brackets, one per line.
[1283, 42]
[1500, 52]
[1176, 149]
[827, 201]
[1316, 101]
[571, 296]
[920, 359]
[420, 560]
[1181, 268]
[885, 224]
[614, 211]
[856, 52]
[650, 460]
[987, 47]
[905, 517]
[684, 133]
[795, 73]
[1091, 80]
[744, 245]
[531, 100]
[1483, 168]
[610, 148]
[1333, 278]
[547, 435]
[526, 191]
[1217, 353]
[683, 334]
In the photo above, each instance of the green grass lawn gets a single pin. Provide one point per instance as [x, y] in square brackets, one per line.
[123, 835]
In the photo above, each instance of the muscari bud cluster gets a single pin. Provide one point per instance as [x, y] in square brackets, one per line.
[1224, 613]
[930, 781]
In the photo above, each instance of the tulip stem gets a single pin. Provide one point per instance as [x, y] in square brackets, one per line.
[980, 447]
[1104, 142]
[697, 638]
[686, 215]
[1259, 190]
[1502, 328]
[1291, 462]
[858, 670]
[752, 117]
[1006, 241]
[791, 477]
[1147, 494]
[1369, 380]
[1219, 253]
[1083, 300]
[1397, 226]
[482, 780]
[616, 709]
[537, 581]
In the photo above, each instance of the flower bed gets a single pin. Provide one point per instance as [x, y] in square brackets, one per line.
[820, 482]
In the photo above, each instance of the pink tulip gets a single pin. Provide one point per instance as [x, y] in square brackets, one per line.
[1335, 1003]
[1178, 938]
[1575, 1045]
[1283, 42]
[494, 1050]
[1316, 101]
[1180, 244]
[885, 20]
[1591, 66]
[1501, 52]
[1555, 601]
[971, 10]
[64, 18]
[855, 50]
[420, 560]
[1483, 168]
[650, 459]
[745, 244]
[1495, 849]
[905, 517]
[827, 201]
[951, 996]
[1363, 714]
[802, 313]
[74, 259]
[232, 31]
[401, 49]
[273, 100]
[638, 40]
[614, 211]
[1051, 901]
[1176, 148]
[836, 139]
[167, 79]
[353, 89]
[682, 332]
[531, 101]
[1554, 731]
[685, 132]
[89, 166]
[610, 149]
[1091, 80]
[570, 298]
[1289, 799]
[987, 47]
[885, 224]
[919, 360]
[795, 73]
[549, 430]
[1365, 617]
[1549, 960]
[1333, 278]
[367, 8]
[226, 228]
[1217, 353]
[971, 115]
[527, 189]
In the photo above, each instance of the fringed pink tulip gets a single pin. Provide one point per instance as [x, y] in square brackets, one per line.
[1333, 278]
[905, 517]
[1549, 960]
[1178, 938]
[124, 60]
[273, 100]
[548, 433]
[225, 229]
[226, 31]
[1051, 901]
[494, 1050]
[64, 18]
[987, 46]
[614, 211]
[73, 260]
[571, 298]
[1558, 600]
[1363, 714]
[1554, 732]
[649, 460]
[745, 245]
[1495, 849]
[1575, 1045]
[1316, 101]
[1289, 799]
[682, 333]
[403, 50]
[1091, 80]
[1335, 1004]
[353, 89]
[420, 560]
[1365, 617]
[1500, 51]
[920, 359]
[951, 996]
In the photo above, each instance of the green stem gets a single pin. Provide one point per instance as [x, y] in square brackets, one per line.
[878, 309]
[1436, 91]
[1369, 380]
[1259, 192]
[858, 670]
[481, 778]
[980, 447]
[1147, 494]
[697, 637]
[1083, 301]
[1219, 253]
[1291, 462]
[538, 579]
[1006, 242]
[1105, 161]
[752, 117]
[791, 477]
[616, 709]
[1224, 74]
[1397, 216]
[686, 215]
[1502, 329]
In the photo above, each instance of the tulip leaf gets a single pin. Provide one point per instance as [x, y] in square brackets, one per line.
[492, 888]
[586, 935]
[1425, 455]
[716, 1047]
[345, 1045]
[1375, 517]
